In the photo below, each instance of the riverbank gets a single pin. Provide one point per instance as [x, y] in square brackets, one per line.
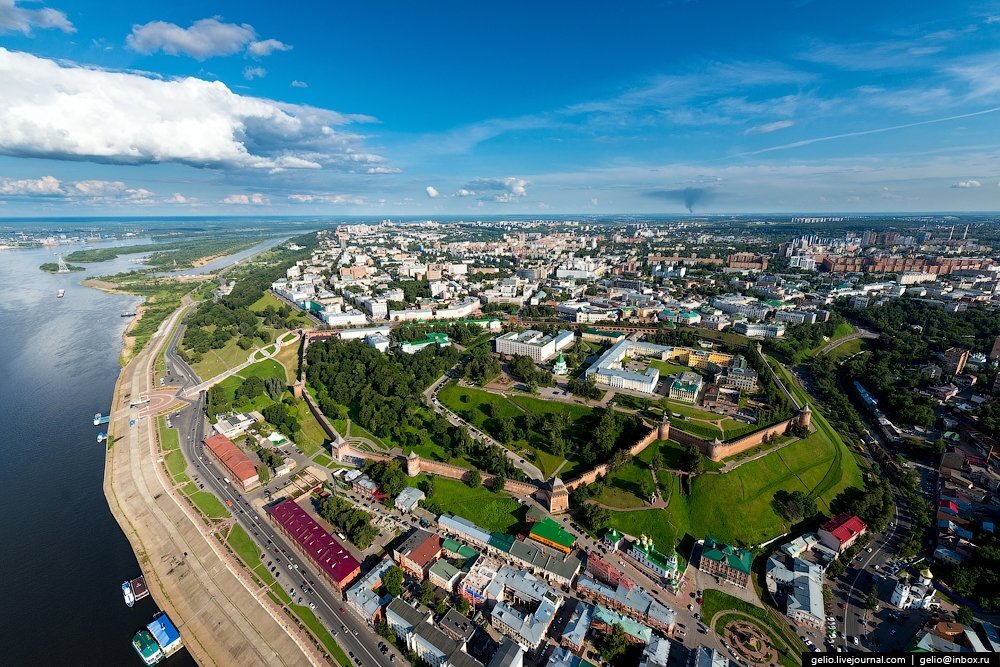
[220, 614]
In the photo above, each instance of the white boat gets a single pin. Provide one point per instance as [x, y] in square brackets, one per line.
[60, 294]
[127, 594]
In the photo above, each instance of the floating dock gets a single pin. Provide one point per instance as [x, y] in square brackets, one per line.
[101, 437]
[165, 634]
[101, 419]
[139, 588]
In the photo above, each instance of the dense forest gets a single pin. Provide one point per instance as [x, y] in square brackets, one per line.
[912, 332]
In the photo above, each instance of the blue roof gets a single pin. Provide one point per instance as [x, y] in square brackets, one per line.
[163, 630]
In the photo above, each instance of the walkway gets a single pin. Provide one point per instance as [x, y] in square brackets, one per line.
[860, 333]
[193, 392]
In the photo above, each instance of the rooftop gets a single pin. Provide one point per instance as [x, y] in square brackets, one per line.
[326, 551]
[734, 557]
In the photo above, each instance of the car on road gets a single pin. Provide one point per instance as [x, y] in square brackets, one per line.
[856, 641]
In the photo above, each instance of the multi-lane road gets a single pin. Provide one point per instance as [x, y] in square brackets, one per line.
[353, 634]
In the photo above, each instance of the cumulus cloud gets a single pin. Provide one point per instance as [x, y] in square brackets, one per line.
[767, 128]
[203, 39]
[384, 170]
[967, 184]
[254, 198]
[501, 190]
[18, 19]
[251, 73]
[177, 198]
[266, 47]
[432, 192]
[325, 199]
[59, 111]
[91, 190]
[298, 84]
[44, 186]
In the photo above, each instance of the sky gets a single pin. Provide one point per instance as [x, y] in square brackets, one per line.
[391, 107]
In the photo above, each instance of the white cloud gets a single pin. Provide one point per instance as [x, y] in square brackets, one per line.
[108, 191]
[326, 199]
[59, 111]
[266, 47]
[46, 186]
[432, 192]
[298, 84]
[19, 19]
[251, 73]
[967, 184]
[503, 190]
[384, 170]
[177, 198]
[767, 128]
[255, 198]
[204, 39]
[594, 201]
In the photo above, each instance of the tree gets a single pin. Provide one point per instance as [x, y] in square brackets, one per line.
[620, 459]
[836, 569]
[426, 592]
[427, 486]
[506, 430]
[693, 460]
[794, 506]
[646, 488]
[393, 581]
[964, 615]
[216, 401]
[441, 608]
[613, 645]
[475, 479]
[593, 516]
[656, 462]
[383, 629]
[871, 600]
[462, 605]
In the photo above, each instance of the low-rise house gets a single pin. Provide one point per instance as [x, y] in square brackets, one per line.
[416, 553]
[727, 562]
[842, 531]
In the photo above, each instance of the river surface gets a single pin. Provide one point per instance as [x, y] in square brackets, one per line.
[64, 556]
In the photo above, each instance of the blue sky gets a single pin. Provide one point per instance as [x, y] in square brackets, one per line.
[390, 108]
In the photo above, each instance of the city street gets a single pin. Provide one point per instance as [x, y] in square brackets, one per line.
[354, 635]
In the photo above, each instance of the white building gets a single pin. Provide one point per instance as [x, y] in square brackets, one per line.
[759, 330]
[534, 344]
[915, 596]
[350, 318]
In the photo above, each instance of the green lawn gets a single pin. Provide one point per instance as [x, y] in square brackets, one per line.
[209, 505]
[312, 436]
[169, 440]
[288, 357]
[845, 350]
[689, 410]
[716, 602]
[622, 488]
[244, 546]
[736, 506]
[264, 369]
[475, 406]
[231, 384]
[321, 633]
[269, 299]
[323, 460]
[215, 362]
[498, 512]
[667, 368]
[189, 489]
[176, 464]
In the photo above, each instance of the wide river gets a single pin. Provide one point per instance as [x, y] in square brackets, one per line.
[64, 556]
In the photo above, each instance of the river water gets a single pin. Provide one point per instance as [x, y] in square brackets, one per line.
[64, 556]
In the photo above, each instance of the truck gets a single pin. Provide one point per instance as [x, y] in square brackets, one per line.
[226, 480]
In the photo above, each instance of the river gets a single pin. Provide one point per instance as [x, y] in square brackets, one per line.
[64, 554]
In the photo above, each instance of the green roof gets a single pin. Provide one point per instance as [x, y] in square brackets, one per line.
[437, 336]
[551, 531]
[613, 535]
[501, 541]
[654, 556]
[444, 569]
[734, 557]
[451, 546]
[536, 513]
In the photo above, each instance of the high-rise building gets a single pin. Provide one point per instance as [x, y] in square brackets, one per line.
[954, 360]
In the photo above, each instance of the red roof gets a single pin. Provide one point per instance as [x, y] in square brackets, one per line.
[326, 551]
[425, 551]
[232, 457]
[844, 527]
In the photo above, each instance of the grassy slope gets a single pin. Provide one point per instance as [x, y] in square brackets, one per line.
[493, 511]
